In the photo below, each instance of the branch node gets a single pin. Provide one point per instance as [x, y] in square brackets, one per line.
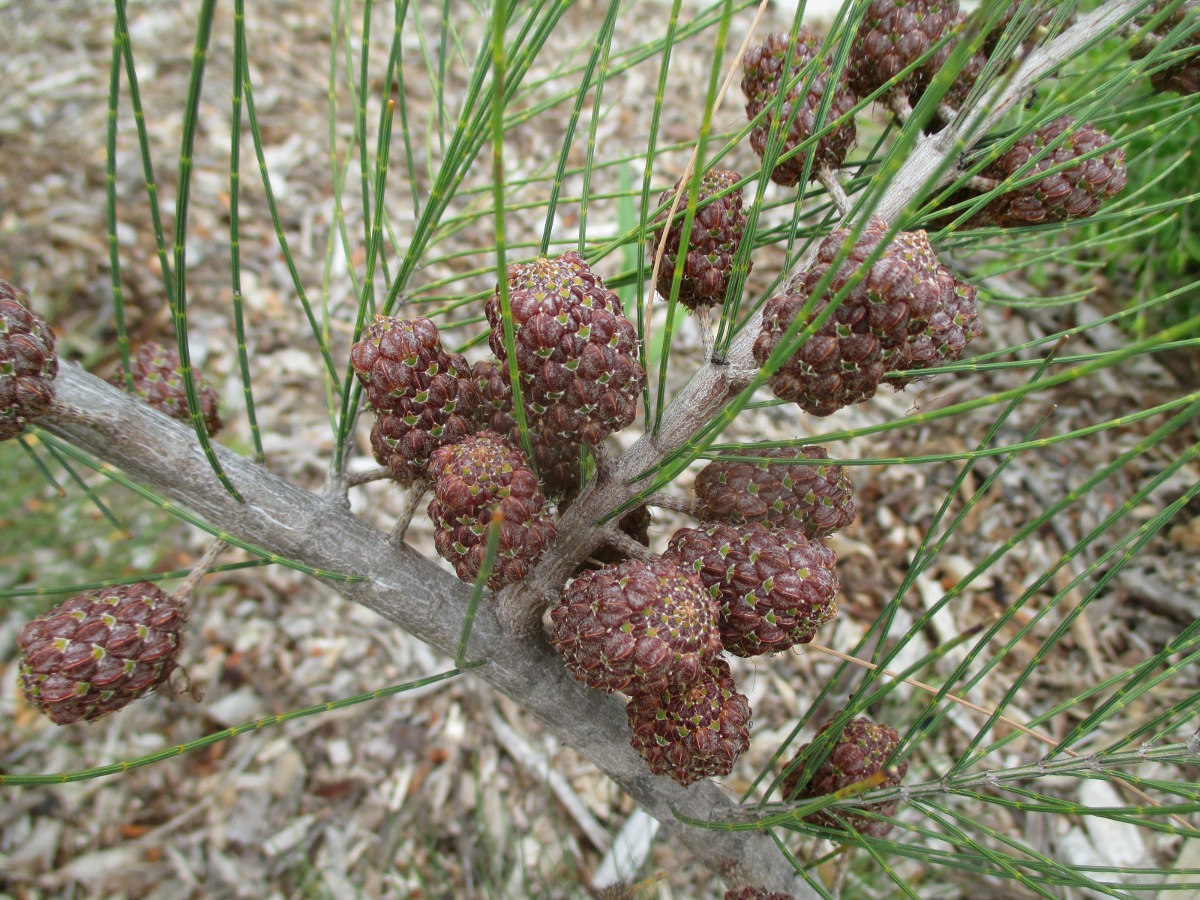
[519, 610]
[605, 461]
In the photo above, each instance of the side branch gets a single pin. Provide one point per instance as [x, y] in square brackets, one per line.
[713, 387]
[919, 172]
[410, 592]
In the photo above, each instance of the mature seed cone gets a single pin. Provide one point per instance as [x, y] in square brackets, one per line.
[636, 626]
[1183, 77]
[993, 38]
[576, 351]
[1072, 193]
[473, 480]
[908, 312]
[557, 461]
[892, 36]
[98, 652]
[157, 380]
[956, 94]
[860, 751]
[764, 67]
[757, 893]
[713, 242]
[775, 586]
[691, 730]
[817, 499]
[27, 364]
[423, 395]
[944, 335]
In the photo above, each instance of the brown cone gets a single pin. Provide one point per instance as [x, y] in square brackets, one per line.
[693, 730]
[28, 364]
[636, 626]
[1183, 75]
[1071, 193]
[576, 351]
[907, 313]
[157, 380]
[816, 498]
[860, 751]
[774, 586]
[473, 480]
[764, 68]
[893, 35]
[98, 652]
[423, 395]
[714, 240]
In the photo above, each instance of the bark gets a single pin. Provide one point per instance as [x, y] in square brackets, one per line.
[410, 592]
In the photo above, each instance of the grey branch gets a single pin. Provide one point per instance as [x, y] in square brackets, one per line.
[688, 505]
[623, 543]
[376, 474]
[713, 387]
[412, 593]
[829, 180]
[201, 569]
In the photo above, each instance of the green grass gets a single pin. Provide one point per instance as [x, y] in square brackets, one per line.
[53, 539]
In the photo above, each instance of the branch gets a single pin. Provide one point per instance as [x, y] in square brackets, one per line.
[713, 387]
[412, 593]
[1095, 765]
[918, 174]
